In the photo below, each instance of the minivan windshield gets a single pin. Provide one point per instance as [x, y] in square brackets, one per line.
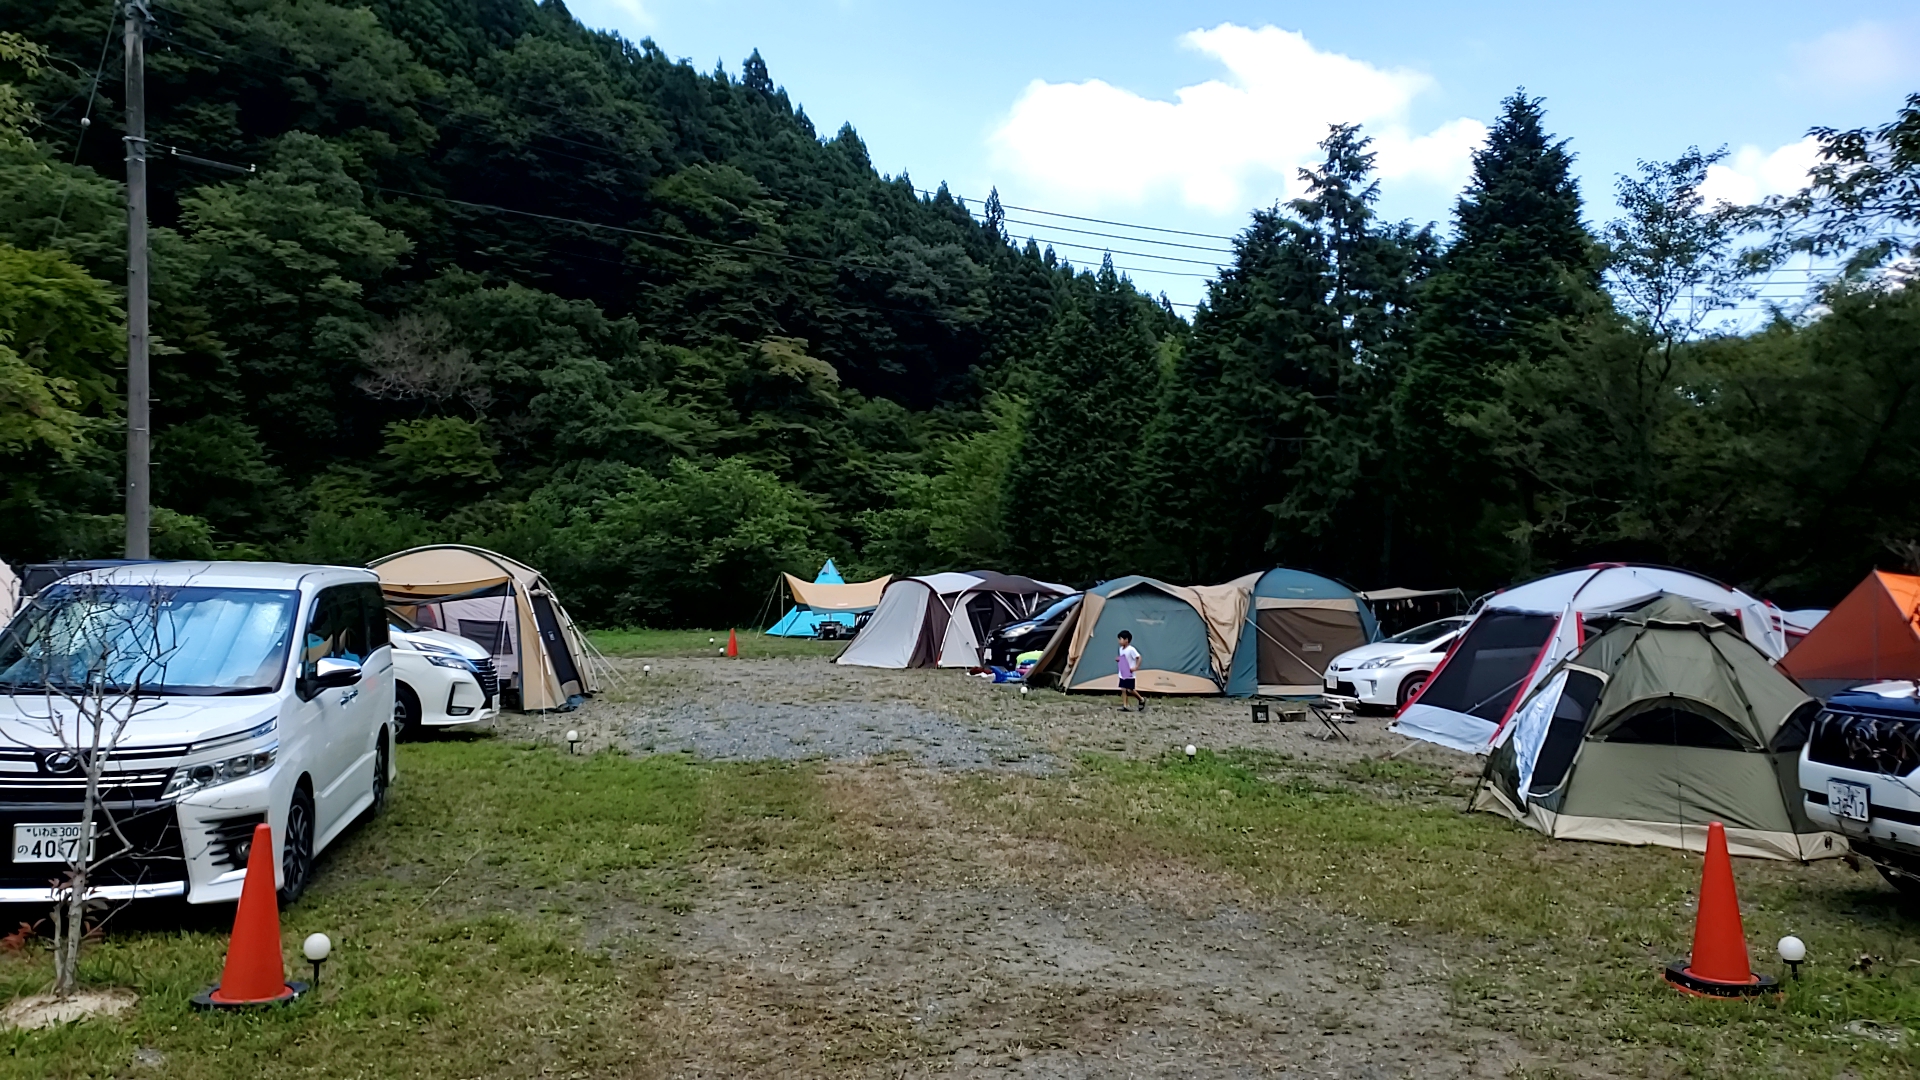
[165, 639]
[1432, 631]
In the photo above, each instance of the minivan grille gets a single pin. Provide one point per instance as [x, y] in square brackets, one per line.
[131, 775]
[1875, 744]
[489, 678]
[231, 838]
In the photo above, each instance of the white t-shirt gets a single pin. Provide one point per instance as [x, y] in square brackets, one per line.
[1129, 662]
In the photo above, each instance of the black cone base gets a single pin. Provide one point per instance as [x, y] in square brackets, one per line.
[205, 999]
[1686, 981]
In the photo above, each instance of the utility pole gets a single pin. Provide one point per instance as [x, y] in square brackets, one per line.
[139, 424]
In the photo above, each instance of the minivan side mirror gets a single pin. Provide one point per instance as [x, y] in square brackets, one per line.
[332, 671]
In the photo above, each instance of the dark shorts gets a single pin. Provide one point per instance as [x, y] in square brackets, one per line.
[1126, 684]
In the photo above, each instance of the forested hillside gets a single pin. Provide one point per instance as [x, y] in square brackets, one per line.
[501, 279]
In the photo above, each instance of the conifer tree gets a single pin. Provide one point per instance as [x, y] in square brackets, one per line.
[1275, 423]
[1521, 275]
[1073, 493]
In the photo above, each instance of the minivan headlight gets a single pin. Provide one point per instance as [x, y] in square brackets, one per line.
[449, 660]
[205, 774]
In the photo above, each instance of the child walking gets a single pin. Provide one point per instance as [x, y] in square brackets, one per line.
[1129, 662]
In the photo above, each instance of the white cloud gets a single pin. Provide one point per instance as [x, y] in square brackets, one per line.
[1752, 174]
[1866, 56]
[1226, 143]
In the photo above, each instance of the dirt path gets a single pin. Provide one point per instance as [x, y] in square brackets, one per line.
[938, 943]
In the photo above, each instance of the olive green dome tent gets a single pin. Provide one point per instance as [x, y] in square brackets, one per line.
[1666, 721]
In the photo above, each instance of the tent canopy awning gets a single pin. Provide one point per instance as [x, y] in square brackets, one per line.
[822, 596]
[1380, 595]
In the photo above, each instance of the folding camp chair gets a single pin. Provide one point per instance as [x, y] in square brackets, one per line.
[1332, 710]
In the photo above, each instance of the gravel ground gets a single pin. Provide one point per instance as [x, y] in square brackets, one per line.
[808, 708]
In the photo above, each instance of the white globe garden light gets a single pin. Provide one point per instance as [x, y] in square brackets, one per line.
[573, 742]
[1793, 951]
[316, 949]
[1191, 751]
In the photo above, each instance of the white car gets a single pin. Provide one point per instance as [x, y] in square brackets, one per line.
[442, 679]
[265, 693]
[1389, 671]
[1860, 776]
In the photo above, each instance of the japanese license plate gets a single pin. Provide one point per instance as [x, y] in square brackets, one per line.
[46, 843]
[1849, 800]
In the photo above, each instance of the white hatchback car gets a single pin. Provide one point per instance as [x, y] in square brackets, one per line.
[264, 693]
[1389, 671]
[442, 679]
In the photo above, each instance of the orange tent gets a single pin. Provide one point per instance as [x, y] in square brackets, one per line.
[1873, 634]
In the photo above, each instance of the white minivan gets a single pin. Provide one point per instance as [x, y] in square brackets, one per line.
[266, 693]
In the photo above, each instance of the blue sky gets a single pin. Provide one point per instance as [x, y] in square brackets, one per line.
[1186, 116]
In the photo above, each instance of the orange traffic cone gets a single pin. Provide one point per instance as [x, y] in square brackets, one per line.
[1718, 966]
[255, 973]
[733, 643]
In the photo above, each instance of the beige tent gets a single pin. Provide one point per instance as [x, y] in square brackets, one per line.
[821, 596]
[501, 604]
[9, 592]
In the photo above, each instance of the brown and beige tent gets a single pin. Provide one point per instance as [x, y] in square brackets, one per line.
[503, 605]
[1668, 720]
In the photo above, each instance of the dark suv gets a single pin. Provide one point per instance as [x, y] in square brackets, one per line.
[1006, 644]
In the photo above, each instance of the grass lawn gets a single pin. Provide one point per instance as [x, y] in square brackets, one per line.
[1560, 942]
[478, 926]
[458, 949]
[753, 644]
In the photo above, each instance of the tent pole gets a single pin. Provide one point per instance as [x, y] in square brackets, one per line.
[1474, 796]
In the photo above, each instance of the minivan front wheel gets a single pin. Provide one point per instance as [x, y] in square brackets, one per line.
[296, 851]
[382, 766]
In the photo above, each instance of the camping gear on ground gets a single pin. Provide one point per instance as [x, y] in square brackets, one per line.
[1185, 634]
[1403, 609]
[826, 601]
[1520, 633]
[1873, 634]
[9, 592]
[505, 606]
[1667, 721]
[942, 618]
[1295, 624]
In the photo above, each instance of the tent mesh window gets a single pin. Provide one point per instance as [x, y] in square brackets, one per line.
[1564, 733]
[491, 636]
[1490, 665]
[1674, 725]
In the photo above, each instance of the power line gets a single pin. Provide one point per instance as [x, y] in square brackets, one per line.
[1094, 220]
[86, 121]
[1116, 236]
[701, 241]
[1133, 254]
